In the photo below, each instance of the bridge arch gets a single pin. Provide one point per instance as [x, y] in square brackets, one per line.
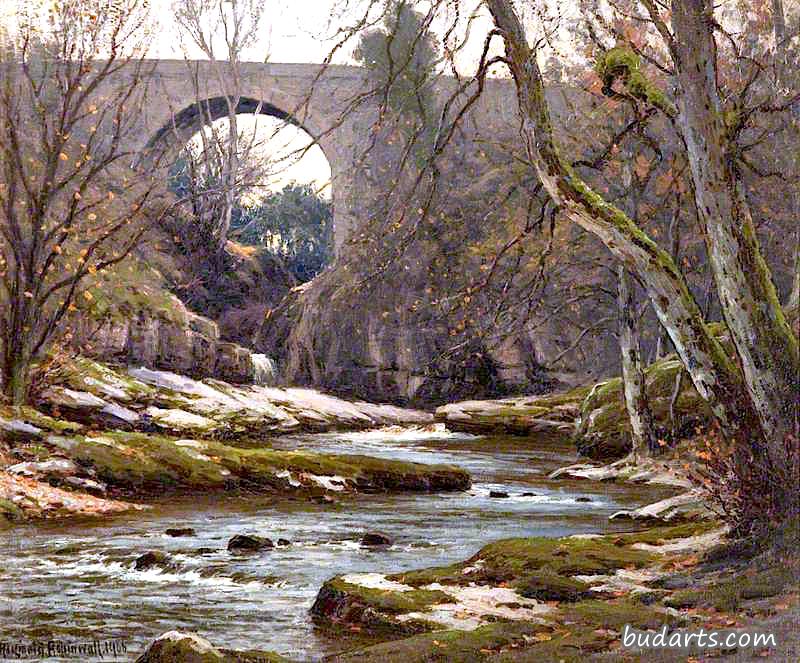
[307, 96]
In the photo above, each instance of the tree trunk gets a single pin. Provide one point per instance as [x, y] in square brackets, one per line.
[766, 347]
[779, 31]
[643, 438]
[674, 237]
[16, 375]
[713, 373]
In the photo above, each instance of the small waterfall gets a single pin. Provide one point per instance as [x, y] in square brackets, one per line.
[265, 371]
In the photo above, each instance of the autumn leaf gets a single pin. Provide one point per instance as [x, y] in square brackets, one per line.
[641, 166]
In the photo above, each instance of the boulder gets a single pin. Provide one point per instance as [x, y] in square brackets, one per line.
[180, 531]
[177, 647]
[249, 543]
[498, 494]
[154, 559]
[204, 354]
[143, 339]
[174, 348]
[376, 540]
[15, 429]
[553, 414]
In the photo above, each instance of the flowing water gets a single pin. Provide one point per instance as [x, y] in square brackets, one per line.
[76, 582]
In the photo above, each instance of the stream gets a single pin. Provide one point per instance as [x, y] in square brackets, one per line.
[75, 582]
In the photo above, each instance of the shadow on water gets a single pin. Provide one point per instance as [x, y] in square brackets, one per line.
[77, 581]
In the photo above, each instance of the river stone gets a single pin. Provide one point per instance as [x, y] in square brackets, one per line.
[15, 429]
[56, 467]
[248, 543]
[376, 539]
[180, 531]
[177, 647]
[583, 499]
[498, 494]
[153, 559]
[284, 542]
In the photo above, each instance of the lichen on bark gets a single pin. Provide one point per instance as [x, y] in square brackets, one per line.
[621, 63]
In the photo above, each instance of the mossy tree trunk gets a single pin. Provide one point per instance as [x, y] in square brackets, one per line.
[643, 437]
[16, 373]
[765, 344]
[714, 374]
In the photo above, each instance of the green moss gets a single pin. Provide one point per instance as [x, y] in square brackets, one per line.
[516, 560]
[571, 645]
[657, 535]
[727, 596]
[36, 418]
[452, 645]
[9, 512]
[622, 63]
[615, 614]
[392, 602]
[551, 587]
[133, 287]
[445, 575]
[135, 460]
[513, 558]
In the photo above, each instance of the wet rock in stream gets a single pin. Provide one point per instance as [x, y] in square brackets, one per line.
[154, 559]
[249, 543]
[180, 531]
[376, 540]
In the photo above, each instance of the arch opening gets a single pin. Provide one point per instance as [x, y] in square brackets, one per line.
[284, 196]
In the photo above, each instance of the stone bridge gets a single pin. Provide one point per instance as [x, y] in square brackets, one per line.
[320, 100]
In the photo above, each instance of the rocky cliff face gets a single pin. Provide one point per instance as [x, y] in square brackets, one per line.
[170, 337]
[325, 335]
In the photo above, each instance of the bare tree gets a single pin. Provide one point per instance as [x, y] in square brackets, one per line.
[222, 153]
[70, 206]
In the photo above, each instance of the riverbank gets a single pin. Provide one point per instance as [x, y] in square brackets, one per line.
[571, 598]
[101, 439]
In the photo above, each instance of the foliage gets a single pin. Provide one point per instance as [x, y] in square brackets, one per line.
[296, 224]
[750, 489]
[402, 58]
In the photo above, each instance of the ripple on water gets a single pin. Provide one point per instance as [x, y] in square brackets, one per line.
[261, 601]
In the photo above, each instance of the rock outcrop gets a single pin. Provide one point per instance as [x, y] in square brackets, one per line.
[139, 432]
[325, 334]
[143, 399]
[170, 337]
[179, 647]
